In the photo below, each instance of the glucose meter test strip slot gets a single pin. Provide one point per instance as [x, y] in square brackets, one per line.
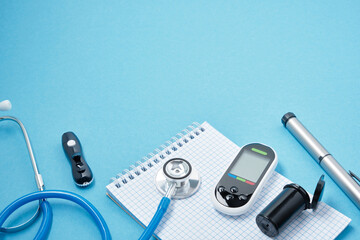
[211, 153]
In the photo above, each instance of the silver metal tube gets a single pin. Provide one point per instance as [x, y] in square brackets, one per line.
[309, 142]
[38, 178]
[171, 190]
[343, 179]
[340, 176]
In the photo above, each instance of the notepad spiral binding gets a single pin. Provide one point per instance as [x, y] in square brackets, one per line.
[159, 154]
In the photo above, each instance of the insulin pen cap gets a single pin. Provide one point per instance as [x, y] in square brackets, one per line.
[286, 117]
[286, 206]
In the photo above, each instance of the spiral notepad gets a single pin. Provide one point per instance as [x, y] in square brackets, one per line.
[195, 218]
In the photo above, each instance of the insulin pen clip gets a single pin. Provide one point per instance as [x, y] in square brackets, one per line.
[346, 181]
[81, 171]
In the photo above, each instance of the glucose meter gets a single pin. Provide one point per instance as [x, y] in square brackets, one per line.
[241, 184]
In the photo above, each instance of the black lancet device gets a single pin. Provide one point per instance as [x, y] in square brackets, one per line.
[81, 171]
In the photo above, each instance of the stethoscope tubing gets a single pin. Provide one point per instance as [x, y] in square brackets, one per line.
[23, 225]
[161, 210]
[47, 219]
[45, 226]
[46, 222]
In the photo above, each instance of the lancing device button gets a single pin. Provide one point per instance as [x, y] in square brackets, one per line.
[221, 189]
[229, 197]
[71, 143]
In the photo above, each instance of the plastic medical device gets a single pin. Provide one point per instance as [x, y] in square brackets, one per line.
[347, 181]
[287, 206]
[241, 184]
[81, 171]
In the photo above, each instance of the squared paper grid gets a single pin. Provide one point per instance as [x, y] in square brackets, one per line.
[195, 218]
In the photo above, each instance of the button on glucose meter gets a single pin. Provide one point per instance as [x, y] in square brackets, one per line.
[242, 197]
[229, 197]
[241, 184]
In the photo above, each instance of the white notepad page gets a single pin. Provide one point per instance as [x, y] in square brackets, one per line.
[195, 218]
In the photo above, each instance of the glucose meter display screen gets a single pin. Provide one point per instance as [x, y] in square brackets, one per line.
[250, 165]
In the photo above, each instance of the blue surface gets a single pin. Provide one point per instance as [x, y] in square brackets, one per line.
[126, 76]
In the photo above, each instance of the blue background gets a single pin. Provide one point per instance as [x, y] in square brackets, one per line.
[125, 76]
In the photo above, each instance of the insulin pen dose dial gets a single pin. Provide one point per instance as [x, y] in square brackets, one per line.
[240, 180]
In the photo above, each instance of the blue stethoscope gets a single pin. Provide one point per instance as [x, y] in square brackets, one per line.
[42, 196]
[177, 179]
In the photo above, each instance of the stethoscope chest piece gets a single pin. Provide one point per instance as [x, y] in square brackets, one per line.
[180, 172]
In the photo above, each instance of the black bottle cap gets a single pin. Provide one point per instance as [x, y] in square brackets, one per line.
[318, 193]
[286, 117]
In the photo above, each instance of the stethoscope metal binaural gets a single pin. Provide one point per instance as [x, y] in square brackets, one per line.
[42, 195]
[176, 179]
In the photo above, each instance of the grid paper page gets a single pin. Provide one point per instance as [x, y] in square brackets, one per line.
[195, 218]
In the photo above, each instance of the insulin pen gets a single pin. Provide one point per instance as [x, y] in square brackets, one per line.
[346, 181]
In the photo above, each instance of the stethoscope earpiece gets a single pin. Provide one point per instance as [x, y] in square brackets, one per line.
[5, 105]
